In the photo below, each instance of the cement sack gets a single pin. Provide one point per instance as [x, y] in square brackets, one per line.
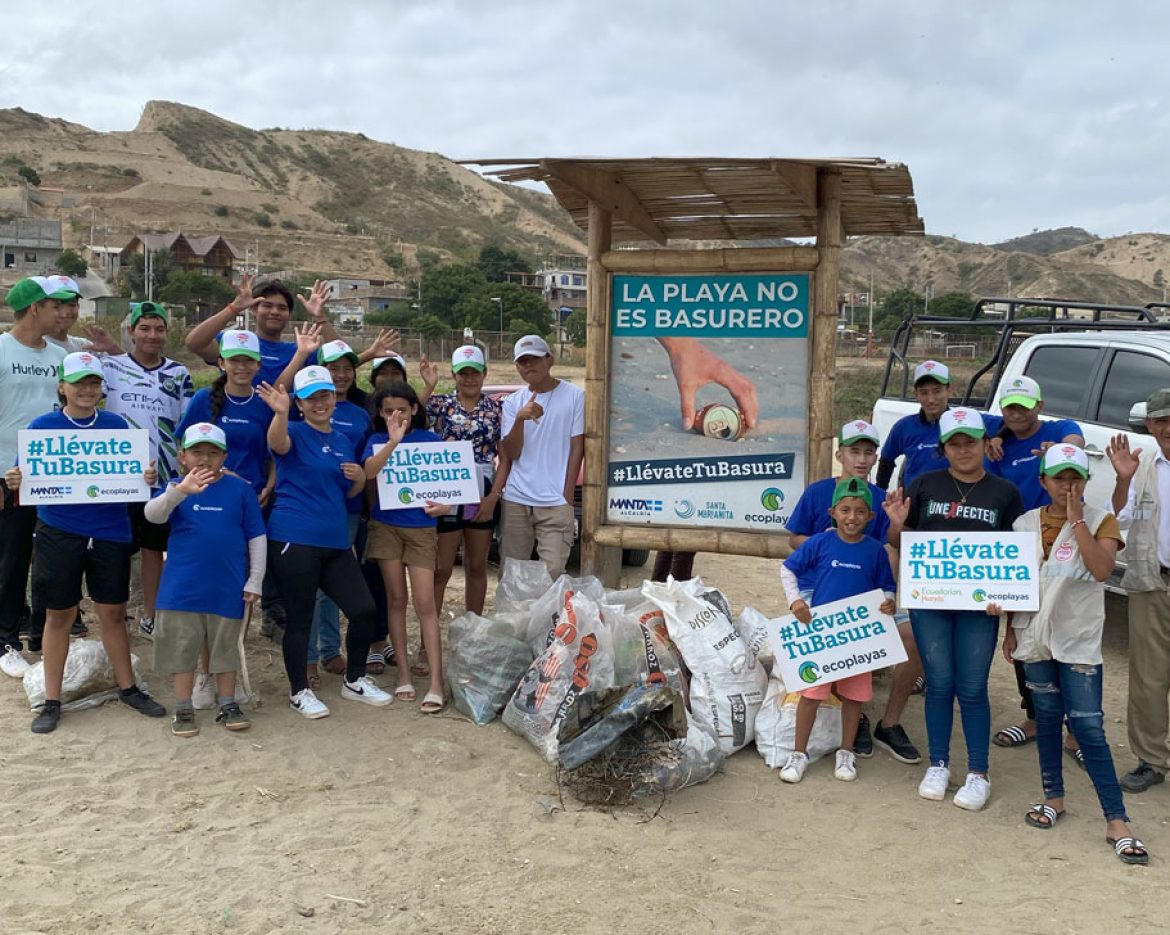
[776, 726]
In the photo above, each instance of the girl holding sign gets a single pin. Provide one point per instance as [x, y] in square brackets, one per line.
[308, 541]
[956, 646]
[83, 540]
[471, 415]
[1060, 644]
[404, 542]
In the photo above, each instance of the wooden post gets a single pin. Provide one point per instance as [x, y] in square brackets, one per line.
[605, 563]
[823, 351]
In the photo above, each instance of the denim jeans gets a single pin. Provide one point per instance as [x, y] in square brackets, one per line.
[325, 636]
[1060, 689]
[957, 647]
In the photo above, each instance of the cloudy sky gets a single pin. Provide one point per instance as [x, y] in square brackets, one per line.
[1010, 115]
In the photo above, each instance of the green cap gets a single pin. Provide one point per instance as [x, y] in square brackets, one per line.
[148, 309]
[852, 487]
[36, 289]
[1158, 405]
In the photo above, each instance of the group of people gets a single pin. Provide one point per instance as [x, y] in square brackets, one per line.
[966, 471]
[263, 493]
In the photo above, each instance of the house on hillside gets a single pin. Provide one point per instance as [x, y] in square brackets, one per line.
[564, 281]
[212, 256]
[29, 247]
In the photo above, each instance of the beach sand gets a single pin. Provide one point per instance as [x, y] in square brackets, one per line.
[433, 825]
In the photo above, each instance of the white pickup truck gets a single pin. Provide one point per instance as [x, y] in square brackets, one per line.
[1095, 364]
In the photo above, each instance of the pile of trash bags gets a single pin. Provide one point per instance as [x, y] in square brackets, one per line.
[658, 683]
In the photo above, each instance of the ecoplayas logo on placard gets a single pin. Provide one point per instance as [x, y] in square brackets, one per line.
[92, 491]
[979, 595]
[808, 673]
[772, 499]
[406, 495]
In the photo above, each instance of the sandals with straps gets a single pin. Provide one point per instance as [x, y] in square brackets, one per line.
[1013, 736]
[1130, 850]
[1077, 756]
[1043, 816]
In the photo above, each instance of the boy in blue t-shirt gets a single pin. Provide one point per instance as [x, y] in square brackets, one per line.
[843, 562]
[916, 435]
[215, 565]
[857, 446]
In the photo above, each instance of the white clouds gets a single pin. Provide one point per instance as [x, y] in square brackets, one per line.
[1010, 115]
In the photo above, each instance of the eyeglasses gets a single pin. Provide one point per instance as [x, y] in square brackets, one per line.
[273, 307]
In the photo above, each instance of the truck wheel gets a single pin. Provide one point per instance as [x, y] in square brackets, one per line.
[635, 558]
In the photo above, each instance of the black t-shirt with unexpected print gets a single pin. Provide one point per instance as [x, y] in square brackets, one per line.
[939, 503]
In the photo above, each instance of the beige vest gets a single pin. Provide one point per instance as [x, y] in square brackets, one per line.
[1142, 568]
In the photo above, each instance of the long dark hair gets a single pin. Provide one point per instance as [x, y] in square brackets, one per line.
[217, 396]
[397, 390]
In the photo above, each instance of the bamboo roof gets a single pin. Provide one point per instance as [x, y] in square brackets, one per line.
[665, 199]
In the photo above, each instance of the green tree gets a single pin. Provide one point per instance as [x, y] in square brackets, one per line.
[70, 263]
[194, 289]
[443, 287]
[953, 305]
[430, 327]
[495, 263]
[29, 174]
[133, 279]
[575, 327]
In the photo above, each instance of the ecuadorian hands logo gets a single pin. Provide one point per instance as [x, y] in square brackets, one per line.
[92, 491]
[771, 499]
[406, 495]
[809, 672]
[979, 595]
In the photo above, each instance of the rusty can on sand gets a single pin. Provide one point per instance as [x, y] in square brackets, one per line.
[717, 420]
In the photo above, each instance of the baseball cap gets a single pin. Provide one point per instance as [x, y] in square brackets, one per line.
[79, 365]
[202, 432]
[312, 380]
[852, 487]
[960, 421]
[336, 350]
[38, 288]
[531, 345]
[145, 309]
[858, 431]
[932, 370]
[1061, 457]
[239, 344]
[467, 356]
[1021, 391]
[1158, 405]
[391, 358]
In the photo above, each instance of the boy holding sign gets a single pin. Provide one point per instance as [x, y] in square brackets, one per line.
[843, 562]
[83, 540]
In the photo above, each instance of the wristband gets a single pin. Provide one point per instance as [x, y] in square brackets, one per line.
[1079, 522]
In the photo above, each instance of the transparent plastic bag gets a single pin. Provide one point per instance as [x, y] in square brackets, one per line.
[545, 610]
[752, 627]
[520, 584]
[88, 682]
[488, 657]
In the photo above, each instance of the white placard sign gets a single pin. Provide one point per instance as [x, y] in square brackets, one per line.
[844, 638]
[969, 570]
[444, 472]
[91, 466]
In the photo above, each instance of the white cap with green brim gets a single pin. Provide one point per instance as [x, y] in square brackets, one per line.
[858, 431]
[204, 432]
[932, 370]
[79, 366]
[312, 380]
[960, 421]
[239, 344]
[467, 356]
[336, 350]
[1062, 458]
[389, 359]
[1020, 391]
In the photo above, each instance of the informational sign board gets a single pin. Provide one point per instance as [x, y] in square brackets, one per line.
[969, 570]
[695, 357]
[443, 472]
[90, 466]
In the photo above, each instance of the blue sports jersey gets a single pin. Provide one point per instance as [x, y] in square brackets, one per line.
[840, 569]
[414, 517]
[245, 423]
[310, 489]
[811, 515]
[207, 552]
[1022, 467]
[353, 422]
[108, 521]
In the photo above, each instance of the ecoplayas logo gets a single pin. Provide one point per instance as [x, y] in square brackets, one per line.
[809, 673]
[979, 595]
[406, 495]
[92, 492]
[772, 499]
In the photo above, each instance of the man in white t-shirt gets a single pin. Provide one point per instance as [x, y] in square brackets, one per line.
[28, 388]
[543, 439]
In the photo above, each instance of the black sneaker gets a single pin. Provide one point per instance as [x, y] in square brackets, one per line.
[1140, 779]
[46, 720]
[141, 702]
[231, 717]
[183, 723]
[895, 740]
[863, 742]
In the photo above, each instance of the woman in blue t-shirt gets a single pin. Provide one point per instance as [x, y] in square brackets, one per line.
[308, 540]
[83, 540]
[404, 542]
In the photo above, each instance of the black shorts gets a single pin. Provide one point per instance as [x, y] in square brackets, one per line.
[457, 523]
[147, 535]
[62, 559]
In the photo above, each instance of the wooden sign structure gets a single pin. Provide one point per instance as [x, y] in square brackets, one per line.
[715, 201]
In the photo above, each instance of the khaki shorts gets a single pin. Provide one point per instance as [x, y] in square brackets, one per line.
[179, 636]
[416, 546]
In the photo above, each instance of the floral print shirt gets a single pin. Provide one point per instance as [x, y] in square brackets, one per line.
[481, 426]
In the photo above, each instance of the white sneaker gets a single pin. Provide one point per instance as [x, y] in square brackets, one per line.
[366, 691]
[934, 783]
[793, 770]
[13, 663]
[306, 704]
[146, 629]
[975, 792]
[846, 769]
[203, 694]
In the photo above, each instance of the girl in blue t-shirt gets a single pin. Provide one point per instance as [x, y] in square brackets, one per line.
[83, 540]
[308, 541]
[404, 542]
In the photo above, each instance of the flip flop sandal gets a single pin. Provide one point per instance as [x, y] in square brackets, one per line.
[432, 703]
[1013, 736]
[1138, 853]
[1043, 816]
[375, 663]
[1078, 756]
[405, 693]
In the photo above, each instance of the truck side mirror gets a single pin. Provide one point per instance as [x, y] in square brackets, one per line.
[1137, 418]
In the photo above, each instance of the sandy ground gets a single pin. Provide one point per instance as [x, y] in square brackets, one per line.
[430, 824]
